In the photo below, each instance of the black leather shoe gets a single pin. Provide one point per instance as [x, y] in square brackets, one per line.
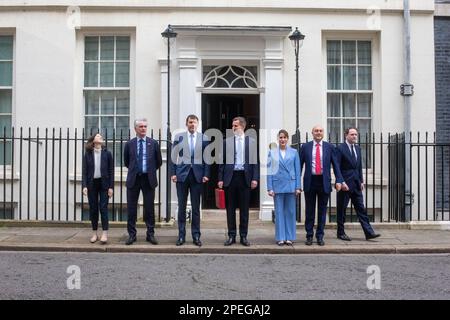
[344, 237]
[308, 241]
[130, 241]
[230, 241]
[320, 242]
[180, 242]
[197, 242]
[152, 239]
[372, 236]
[245, 242]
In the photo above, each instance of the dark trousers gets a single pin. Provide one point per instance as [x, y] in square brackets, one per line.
[148, 194]
[98, 200]
[343, 197]
[237, 195]
[190, 185]
[316, 193]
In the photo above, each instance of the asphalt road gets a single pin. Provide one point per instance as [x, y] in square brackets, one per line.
[26, 275]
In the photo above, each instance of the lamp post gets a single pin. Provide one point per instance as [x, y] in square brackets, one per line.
[296, 38]
[168, 34]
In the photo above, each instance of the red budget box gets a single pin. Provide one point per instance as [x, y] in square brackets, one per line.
[220, 198]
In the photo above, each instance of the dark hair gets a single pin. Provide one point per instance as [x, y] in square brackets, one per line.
[241, 120]
[191, 116]
[89, 146]
[282, 131]
[350, 128]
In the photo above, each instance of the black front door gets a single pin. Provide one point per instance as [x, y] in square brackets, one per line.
[218, 112]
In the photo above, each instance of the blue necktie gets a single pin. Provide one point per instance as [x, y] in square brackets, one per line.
[141, 155]
[192, 147]
[353, 153]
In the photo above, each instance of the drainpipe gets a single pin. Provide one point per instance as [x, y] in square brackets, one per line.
[407, 91]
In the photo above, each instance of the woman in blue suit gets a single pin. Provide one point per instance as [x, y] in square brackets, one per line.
[283, 183]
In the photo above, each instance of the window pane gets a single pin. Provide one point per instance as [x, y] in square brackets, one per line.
[349, 105]
[91, 125]
[123, 48]
[91, 103]
[349, 123]
[333, 52]
[107, 125]
[5, 124]
[107, 48]
[6, 74]
[122, 74]
[91, 74]
[364, 52]
[5, 152]
[365, 78]
[6, 48]
[5, 101]
[106, 74]
[334, 105]
[91, 48]
[123, 102]
[349, 52]
[122, 123]
[364, 105]
[334, 129]
[349, 78]
[364, 128]
[334, 78]
[107, 102]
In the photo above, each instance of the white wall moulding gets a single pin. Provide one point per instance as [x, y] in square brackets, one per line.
[395, 5]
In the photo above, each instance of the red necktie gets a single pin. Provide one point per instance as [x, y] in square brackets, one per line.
[318, 163]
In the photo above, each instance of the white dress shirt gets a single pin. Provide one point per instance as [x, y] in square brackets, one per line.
[313, 166]
[241, 140]
[350, 148]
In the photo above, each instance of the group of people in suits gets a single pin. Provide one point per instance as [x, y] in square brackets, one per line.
[238, 175]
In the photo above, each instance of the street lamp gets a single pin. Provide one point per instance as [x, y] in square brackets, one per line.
[168, 34]
[296, 38]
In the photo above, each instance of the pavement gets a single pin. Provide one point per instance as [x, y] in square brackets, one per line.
[396, 238]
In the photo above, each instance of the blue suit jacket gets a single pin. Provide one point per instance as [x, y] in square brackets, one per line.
[351, 170]
[182, 163]
[283, 175]
[329, 159]
[154, 161]
[106, 169]
[226, 169]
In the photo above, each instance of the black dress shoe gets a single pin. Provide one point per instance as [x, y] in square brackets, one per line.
[230, 241]
[197, 242]
[344, 237]
[130, 241]
[372, 236]
[245, 242]
[308, 241]
[180, 242]
[152, 239]
[320, 242]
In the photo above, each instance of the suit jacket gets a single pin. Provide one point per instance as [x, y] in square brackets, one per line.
[329, 159]
[351, 170]
[182, 163]
[106, 169]
[154, 161]
[226, 169]
[283, 175]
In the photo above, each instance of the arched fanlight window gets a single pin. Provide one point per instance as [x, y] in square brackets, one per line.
[230, 77]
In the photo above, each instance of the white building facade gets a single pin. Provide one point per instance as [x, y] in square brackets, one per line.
[102, 63]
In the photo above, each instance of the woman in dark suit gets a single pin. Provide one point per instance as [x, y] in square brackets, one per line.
[98, 183]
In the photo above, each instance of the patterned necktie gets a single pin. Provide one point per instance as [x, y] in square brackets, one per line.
[141, 155]
[318, 163]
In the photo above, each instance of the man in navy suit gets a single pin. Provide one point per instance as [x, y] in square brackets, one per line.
[189, 172]
[350, 164]
[142, 157]
[238, 174]
[318, 156]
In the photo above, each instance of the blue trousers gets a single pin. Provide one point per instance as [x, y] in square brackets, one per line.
[285, 224]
